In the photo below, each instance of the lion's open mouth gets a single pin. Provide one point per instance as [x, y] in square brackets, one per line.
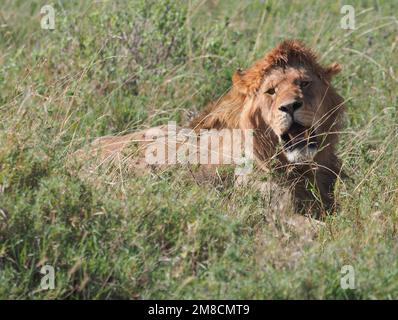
[299, 143]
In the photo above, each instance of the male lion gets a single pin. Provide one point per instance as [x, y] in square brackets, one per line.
[288, 101]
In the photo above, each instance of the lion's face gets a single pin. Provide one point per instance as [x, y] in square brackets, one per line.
[290, 101]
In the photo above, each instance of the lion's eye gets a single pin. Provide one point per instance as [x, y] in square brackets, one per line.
[270, 91]
[305, 84]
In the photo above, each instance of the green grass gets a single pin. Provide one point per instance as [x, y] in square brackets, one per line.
[117, 66]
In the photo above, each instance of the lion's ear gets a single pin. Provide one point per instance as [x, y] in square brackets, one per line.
[332, 70]
[238, 81]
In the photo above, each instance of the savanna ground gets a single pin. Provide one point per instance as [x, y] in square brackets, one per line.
[117, 66]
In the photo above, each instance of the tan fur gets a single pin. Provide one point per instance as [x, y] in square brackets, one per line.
[246, 106]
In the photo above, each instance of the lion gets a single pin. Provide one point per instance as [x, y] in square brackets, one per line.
[287, 99]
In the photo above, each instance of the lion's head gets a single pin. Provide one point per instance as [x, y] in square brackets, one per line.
[287, 98]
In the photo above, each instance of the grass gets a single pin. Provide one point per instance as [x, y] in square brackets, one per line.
[117, 66]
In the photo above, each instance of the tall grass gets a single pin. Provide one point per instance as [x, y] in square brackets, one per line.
[117, 66]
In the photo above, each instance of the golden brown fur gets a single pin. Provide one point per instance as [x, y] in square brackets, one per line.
[251, 105]
[247, 105]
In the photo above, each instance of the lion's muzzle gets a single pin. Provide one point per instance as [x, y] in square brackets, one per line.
[299, 143]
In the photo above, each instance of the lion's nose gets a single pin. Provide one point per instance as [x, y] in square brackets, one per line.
[291, 107]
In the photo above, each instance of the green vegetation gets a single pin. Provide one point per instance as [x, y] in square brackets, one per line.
[117, 66]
